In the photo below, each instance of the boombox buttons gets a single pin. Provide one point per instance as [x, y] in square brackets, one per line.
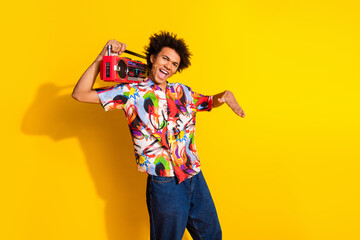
[122, 69]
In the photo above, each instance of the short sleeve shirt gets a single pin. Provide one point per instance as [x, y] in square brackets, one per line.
[162, 125]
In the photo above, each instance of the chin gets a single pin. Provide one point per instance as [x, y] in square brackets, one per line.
[157, 81]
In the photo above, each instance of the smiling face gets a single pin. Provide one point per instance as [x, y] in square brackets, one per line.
[164, 65]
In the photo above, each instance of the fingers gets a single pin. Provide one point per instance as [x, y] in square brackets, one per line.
[122, 48]
[233, 104]
[116, 47]
[240, 112]
[237, 109]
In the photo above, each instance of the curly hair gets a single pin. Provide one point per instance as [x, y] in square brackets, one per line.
[167, 39]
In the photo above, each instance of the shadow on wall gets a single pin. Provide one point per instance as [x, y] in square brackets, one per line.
[106, 143]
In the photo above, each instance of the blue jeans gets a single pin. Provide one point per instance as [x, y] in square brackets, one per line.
[173, 207]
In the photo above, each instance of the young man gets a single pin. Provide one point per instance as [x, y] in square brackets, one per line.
[161, 118]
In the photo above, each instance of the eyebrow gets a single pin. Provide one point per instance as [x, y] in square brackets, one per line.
[170, 59]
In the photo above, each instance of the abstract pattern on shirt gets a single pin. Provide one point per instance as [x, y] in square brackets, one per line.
[162, 125]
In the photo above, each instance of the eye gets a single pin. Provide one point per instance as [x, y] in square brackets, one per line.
[175, 64]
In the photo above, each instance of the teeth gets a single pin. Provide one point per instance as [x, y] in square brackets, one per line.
[163, 71]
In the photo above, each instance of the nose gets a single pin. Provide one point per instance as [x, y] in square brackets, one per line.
[168, 65]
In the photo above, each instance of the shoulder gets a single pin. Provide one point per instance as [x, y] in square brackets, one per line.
[122, 88]
[128, 86]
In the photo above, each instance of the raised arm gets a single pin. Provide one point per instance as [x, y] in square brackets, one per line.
[228, 98]
[83, 91]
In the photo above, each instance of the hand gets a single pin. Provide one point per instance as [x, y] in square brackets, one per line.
[229, 98]
[116, 47]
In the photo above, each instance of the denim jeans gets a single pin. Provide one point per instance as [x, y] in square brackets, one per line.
[173, 207]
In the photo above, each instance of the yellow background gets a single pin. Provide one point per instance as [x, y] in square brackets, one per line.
[288, 171]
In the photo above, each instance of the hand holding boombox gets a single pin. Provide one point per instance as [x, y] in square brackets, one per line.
[122, 69]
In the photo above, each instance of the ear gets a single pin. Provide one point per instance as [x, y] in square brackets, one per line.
[152, 58]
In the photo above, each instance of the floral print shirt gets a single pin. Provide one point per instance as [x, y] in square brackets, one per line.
[162, 125]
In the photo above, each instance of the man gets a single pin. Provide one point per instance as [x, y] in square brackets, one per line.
[161, 118]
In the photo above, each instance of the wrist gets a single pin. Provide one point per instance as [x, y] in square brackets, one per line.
[226, 95]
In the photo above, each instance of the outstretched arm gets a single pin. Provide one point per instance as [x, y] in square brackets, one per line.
[228, 98]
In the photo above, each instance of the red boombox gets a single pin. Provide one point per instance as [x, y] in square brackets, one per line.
[122, 69]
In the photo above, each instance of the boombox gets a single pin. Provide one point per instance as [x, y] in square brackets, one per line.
[122, 69]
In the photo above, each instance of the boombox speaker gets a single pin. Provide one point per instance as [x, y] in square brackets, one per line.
[122, 69]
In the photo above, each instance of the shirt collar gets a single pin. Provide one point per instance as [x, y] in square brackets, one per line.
[156, 87]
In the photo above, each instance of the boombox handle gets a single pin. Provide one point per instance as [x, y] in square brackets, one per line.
[126, 51]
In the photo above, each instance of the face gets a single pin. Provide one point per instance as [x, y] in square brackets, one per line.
[164, 65]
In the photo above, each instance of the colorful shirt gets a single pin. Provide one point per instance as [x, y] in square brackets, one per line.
[162, 125]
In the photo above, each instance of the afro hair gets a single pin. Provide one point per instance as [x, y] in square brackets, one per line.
[167, 39]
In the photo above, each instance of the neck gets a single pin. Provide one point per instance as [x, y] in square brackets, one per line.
[162, 86]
